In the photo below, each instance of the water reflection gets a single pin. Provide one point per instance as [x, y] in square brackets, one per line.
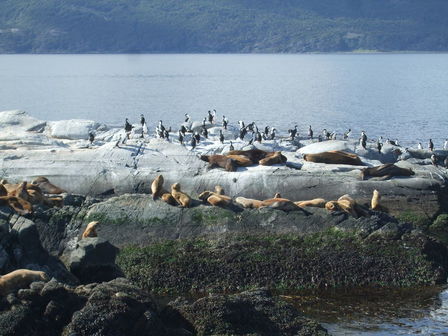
[413, 311]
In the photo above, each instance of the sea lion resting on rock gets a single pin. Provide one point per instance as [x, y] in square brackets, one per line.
[241, 160]
[274, 203]
[347, 204]
[18, 204]
[276, 158]
[257, 155]
[385, 171]
[33, 194]
[219, 161]
[158, 191]
[19, 279]
[46, 186]
[334, 157]
[316, 202]
[90, 231]
[216, 198]
[181, 198]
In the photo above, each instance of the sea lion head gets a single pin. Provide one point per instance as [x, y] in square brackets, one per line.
[175, 187]
[331, 206]
[277, 195]
[40, 179]
[219, 190]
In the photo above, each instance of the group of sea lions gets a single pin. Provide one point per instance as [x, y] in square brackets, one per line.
[174, 197]
[218, 198]
[240, 158]
[22, 196]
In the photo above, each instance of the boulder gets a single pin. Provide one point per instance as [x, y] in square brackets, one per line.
[93, 260]
[255, 312]
[74, 129]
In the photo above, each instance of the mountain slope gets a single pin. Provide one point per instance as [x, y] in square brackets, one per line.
[222, 26]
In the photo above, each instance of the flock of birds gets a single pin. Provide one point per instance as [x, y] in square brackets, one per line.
[252, 131]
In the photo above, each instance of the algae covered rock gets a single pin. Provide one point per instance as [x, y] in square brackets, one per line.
[255, 312]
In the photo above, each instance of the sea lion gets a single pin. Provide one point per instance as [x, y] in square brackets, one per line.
[168, 198]
[375, 202]
[90, 231]
[241, 160]
[275, 158]
[46, 186]
[275, 203]
[255, 155]
[219, 190]
[385, 171]
[219, 161]
[18, 279]
[277, 195]
[18, 204]
[216, 198]
[316, 202]
[334, 157]
[181, 198]
[156, 186]
[347, 204]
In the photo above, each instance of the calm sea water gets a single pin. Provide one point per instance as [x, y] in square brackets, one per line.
[402, 96]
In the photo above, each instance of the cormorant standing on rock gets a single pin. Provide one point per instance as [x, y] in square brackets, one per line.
[326, 134]
[258, 137]
[310, 132]
[197, 137]
[183, 130]
[142, 120]
[91, 137]
[224, 122]
[166, 134]
[379, 145]
[319, 138]
[431, 145]
[241, 123]
[293, 132]
[221, 136]
[347, 134]
[333, 136]
[231, 146]
[434, 160]
[204, 121]
[273, 133]
[243, 133]
[127, 128]
[445, 145]
[419, 146]
[204, 132]
[193, 142]
[181, 137]
[363, 143]
[187, 117]
[266, 130]
[210, 117]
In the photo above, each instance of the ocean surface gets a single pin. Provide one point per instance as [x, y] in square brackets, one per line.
[398, 96]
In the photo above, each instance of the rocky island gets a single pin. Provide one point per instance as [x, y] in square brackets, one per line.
[152, 268]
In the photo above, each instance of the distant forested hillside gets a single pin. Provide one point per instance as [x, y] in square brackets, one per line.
[134, 26]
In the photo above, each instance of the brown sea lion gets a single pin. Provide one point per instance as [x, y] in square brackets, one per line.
[157, 186]
[19, 279]
[316, 202]
[347, 204]
[46, 186]
[275, 158]
[275, 203]
[181, 198]
[219, 161]
[215, 198]
[375, 202]
[219, 190]
[334, 157]
[241, 160]
[18, 204]
[385, 171]
[90, 231]
[255, 155]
